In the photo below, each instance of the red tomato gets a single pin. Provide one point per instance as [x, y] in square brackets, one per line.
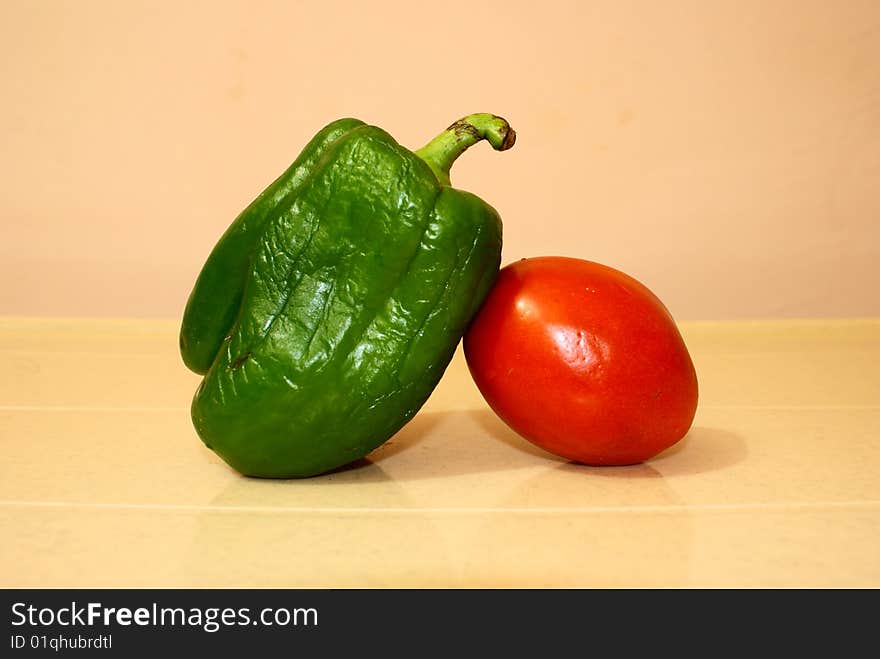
[583, 361]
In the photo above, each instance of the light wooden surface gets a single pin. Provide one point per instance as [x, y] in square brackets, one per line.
[103, 481]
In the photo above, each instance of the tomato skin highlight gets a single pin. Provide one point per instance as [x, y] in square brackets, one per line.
[583, 361]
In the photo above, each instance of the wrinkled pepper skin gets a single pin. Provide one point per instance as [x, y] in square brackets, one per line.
[328, 311]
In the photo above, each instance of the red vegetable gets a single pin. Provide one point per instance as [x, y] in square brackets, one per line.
[583, 361]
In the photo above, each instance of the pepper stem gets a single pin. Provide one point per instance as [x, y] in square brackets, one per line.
[442, 151]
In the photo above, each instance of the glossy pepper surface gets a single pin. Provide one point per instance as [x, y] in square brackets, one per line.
[328, 311]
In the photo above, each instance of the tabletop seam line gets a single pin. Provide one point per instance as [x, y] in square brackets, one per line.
[453, 510]
[131, 408]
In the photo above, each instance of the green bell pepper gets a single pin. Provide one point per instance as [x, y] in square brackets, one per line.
[328, 311]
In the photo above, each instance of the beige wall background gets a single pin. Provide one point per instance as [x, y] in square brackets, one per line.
[727, 154]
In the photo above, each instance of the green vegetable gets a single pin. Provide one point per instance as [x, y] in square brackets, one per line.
[328, 311]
